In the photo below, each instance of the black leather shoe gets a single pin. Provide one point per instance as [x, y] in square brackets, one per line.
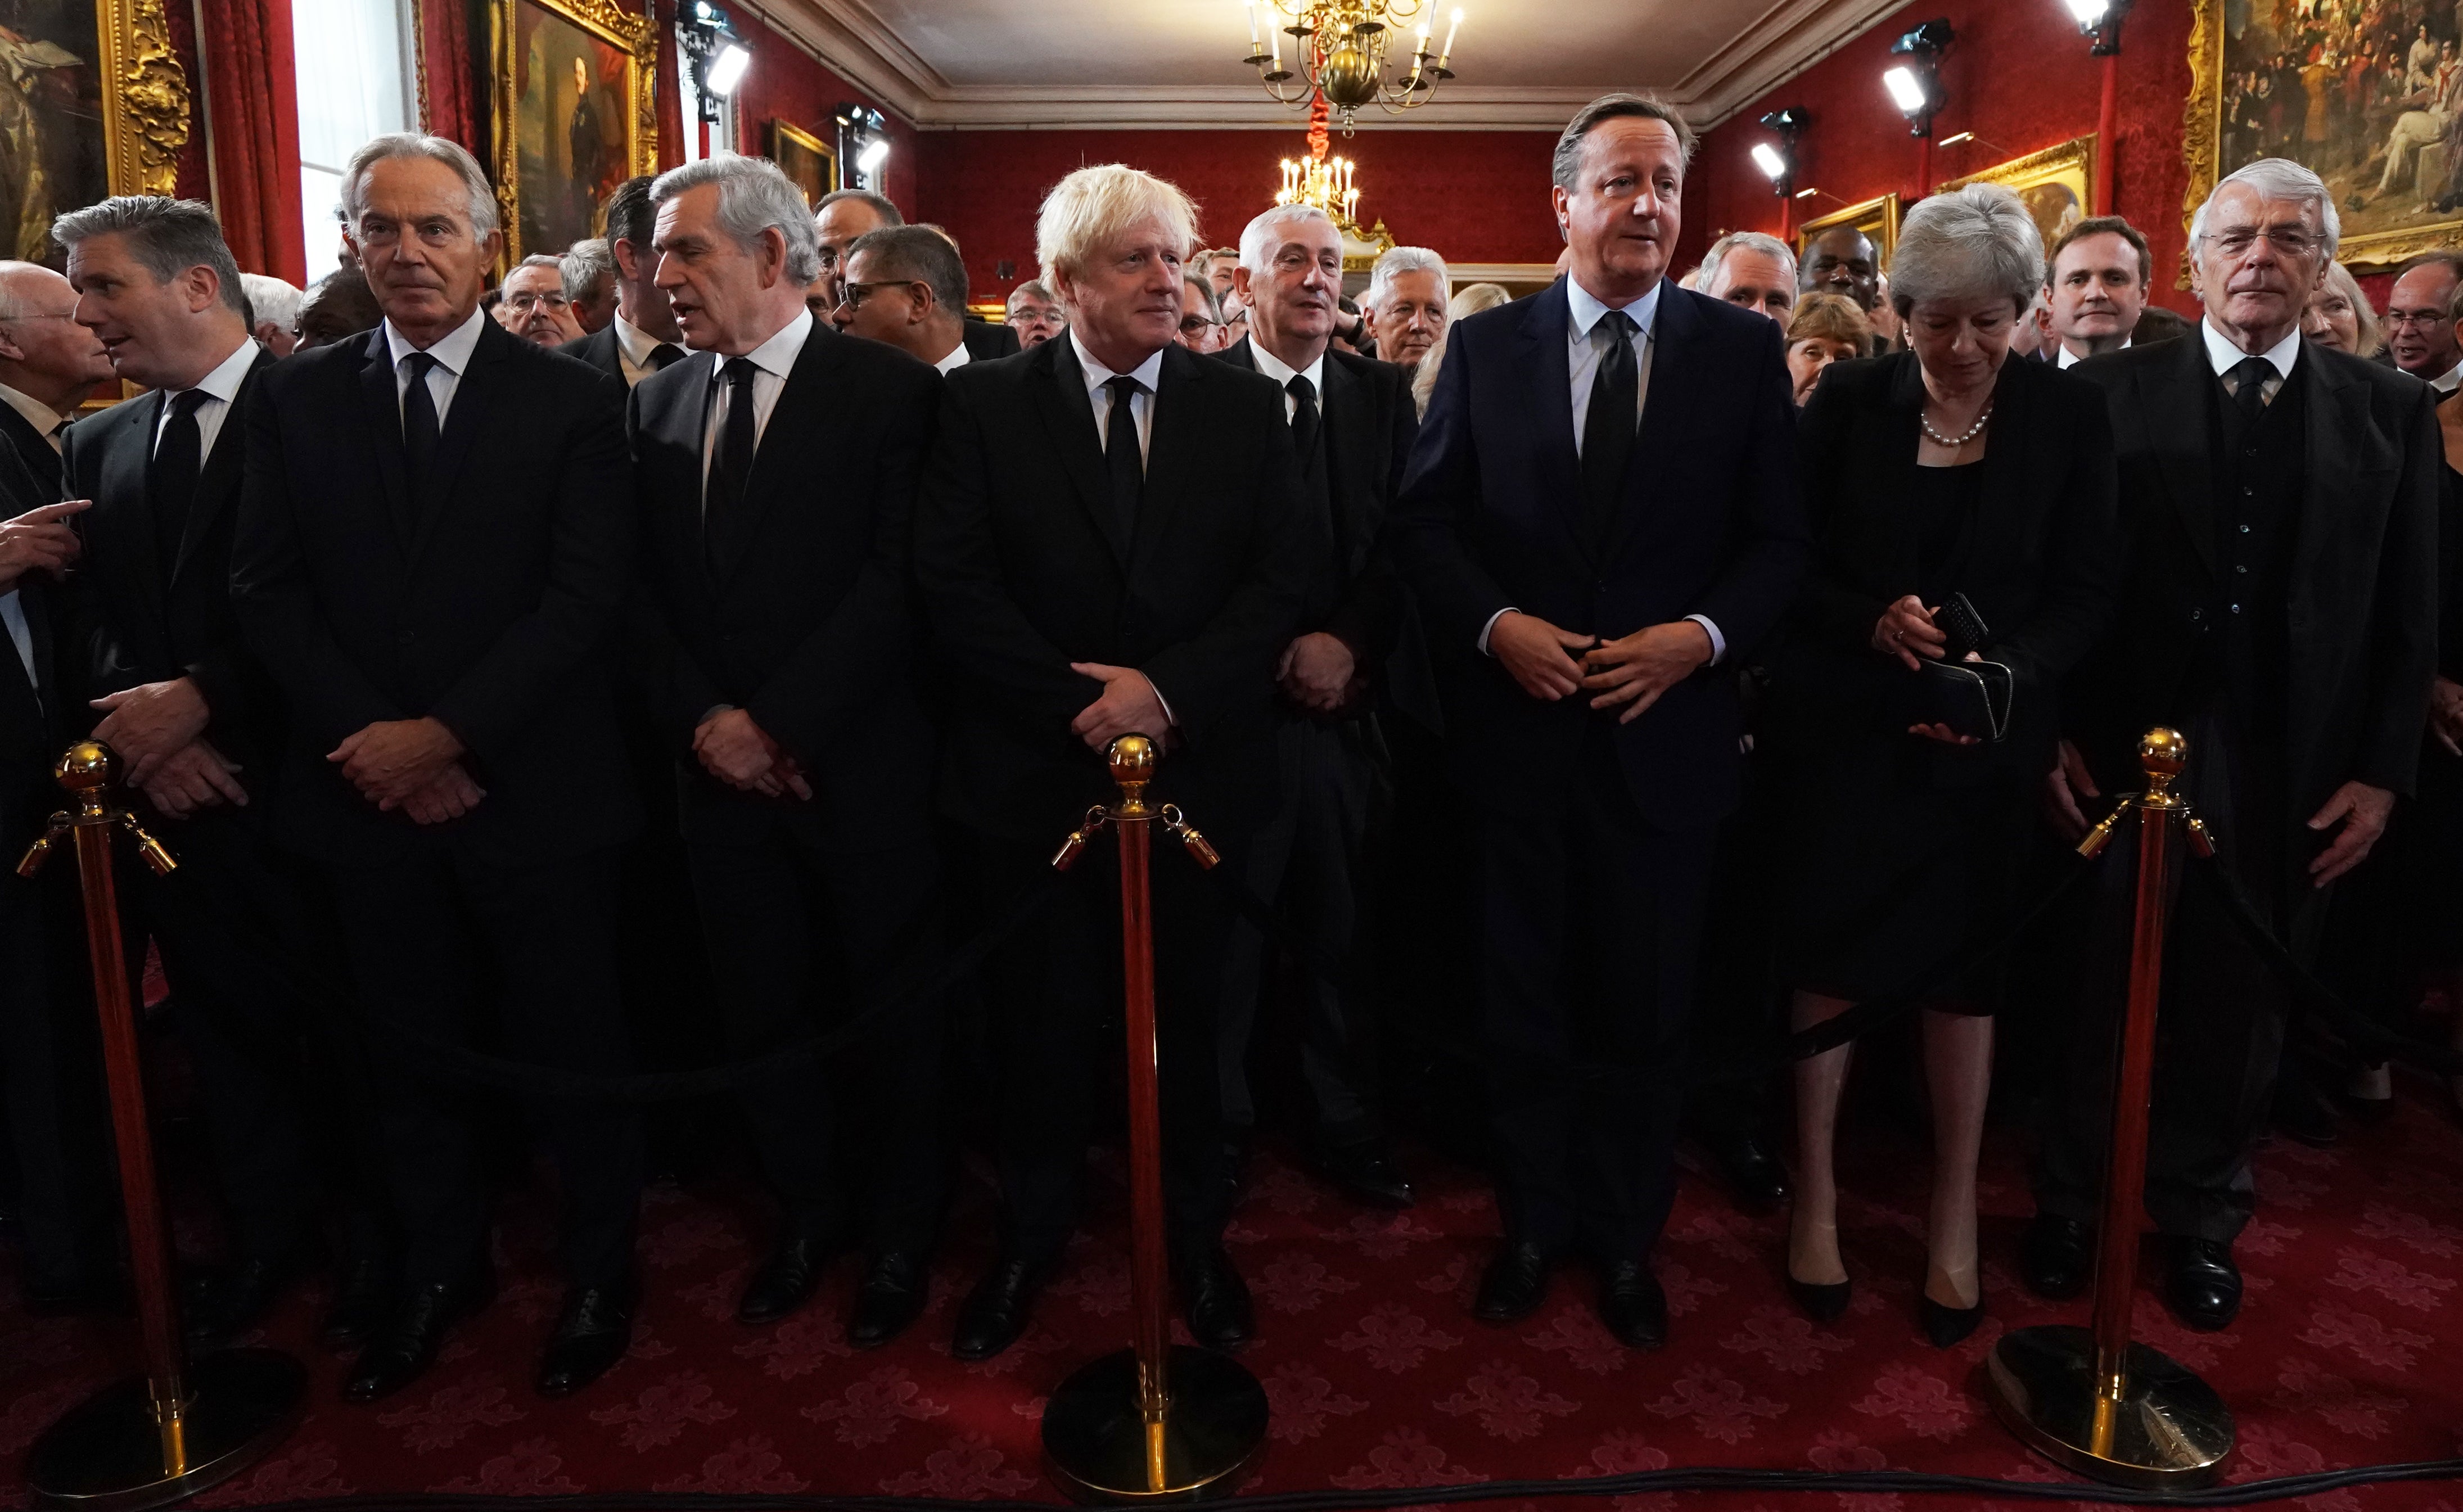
[1632, 1306]
[591, 1335]
[893, 1293]
[1515, 1281]
[998, 1310]
[228, 1303]
[1365, 1172]
[1824, 1302]
[1945, 1324]
[2057, 1258]
[786, 1280]
[1216, 1301]
[401, 1352]
[1752, 1174]
[2202, 1283]
[363, 1300]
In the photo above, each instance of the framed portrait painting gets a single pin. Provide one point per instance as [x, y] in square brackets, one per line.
[1877, 219]
[92, 103]
[2056, 185]
[805, 159]
[2367, 96]
[575, 115]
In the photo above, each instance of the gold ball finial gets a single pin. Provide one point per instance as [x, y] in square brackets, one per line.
[1133, 759]
[85, 767]
[2162, 753]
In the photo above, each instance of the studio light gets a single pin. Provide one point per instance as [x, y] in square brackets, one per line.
[1914, 85]
[1905, 92]
[717, 55]
[1779, 162]
[1767, 158]
[727, 70]
[2100, 20]
[2087, 12]
[863, 137]
[874, 153]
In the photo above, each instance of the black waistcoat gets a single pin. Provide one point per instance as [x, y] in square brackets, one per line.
[2257, 478]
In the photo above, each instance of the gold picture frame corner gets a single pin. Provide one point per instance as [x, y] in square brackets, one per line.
[1880, 214]
[628, 32]
[145, 96]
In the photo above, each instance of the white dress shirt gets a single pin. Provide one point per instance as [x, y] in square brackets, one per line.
[633, 349]
[452, 353]
[220, 386]
[1283, 373]
[771, 362]
[47, 423]
[2446, 382]
[955, 358]
[2065, 359]
[1148, 373]
[1583, 363]
[2223, 357]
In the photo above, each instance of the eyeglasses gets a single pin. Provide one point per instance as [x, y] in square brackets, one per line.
[1191, 324]
[2240, 239]
[853, 294]
[526, 303]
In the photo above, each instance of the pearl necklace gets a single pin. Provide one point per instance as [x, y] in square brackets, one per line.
[1956, 442]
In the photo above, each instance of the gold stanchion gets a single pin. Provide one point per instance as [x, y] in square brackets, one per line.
[2089, 1398]
[1156, 1422]
[169, 1433]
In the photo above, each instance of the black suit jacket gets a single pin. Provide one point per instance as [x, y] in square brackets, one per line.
[129, 624]
[1369, 423]
[810, 626]
[1711, 523]
[2364, 587]
[32, 726]
[495, 614]
[1024, 571]
[2041, 560]
[600, 350]
[985, 339]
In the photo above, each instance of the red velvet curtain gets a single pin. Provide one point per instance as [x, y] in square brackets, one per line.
[253, 97]
[446, 66]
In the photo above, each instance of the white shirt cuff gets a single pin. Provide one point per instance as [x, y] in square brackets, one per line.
[1169, 717]
[1719, 641]
[1491, 626]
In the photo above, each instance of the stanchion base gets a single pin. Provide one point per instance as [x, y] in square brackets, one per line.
[2171, 1431]
[1095, 1441]
[105, 1455]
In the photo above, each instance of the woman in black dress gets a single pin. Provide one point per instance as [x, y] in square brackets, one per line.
[1943, 471]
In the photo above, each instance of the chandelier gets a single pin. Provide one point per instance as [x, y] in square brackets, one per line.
[1339, 53]
[1323, 182]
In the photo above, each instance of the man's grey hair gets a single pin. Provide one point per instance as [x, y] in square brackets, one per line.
[271, 299]
[2277, 179]
[921, 253]
[1257, 237]
[1968, 244]
[1201, 288]
[584, 264]
[1398, 261]
[1762, 242]
[879, 204]
[753, 197]
[1566, 167]
[167, 237]
[1032, 289]
[480, 205]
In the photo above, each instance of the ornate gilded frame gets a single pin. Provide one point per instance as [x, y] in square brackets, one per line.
[145, 97]
[1877, 218]
[629, 33]
[2072, 162]
[783, 133]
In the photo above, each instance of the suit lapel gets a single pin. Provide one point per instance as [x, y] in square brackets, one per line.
[2342, 444]
[381, 407]
[802, 422]
[34, 450]
[219, 484]
[473, 407]
[1175, 442]
[1548, 384]
[1351, 483]
[1059, 387]
[127, 478]
[1668, 410]
[2173, 404]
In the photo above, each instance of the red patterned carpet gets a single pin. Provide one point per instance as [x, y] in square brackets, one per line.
[2350, 1352]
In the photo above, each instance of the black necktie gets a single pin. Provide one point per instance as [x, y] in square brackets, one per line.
[419, 426]
[1304, 421]
[2249, 378]
[1121, 456]
[1608, 427]
[179, 457]
[730, 462]
[663, 354]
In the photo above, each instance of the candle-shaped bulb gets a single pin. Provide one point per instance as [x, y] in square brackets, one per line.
[1253, 38]
[1451, 32]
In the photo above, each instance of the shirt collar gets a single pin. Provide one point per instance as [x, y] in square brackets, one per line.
[224, 382]
[41, 416]
[2223, 357]
[451, 351]
[1149, 373]
[1282, 372]
[777, 355]
[1586, 310]
[955, 357]
[633, 343]
[2063, 357]
[2446, 382]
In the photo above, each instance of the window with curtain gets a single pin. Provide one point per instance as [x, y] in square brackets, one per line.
[356, 71]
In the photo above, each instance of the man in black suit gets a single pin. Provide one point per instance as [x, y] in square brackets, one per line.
[838, 218]
[1583, 577]
[49, 1053]
[643, 338]
[2280, 610]
[1352, 423]
[435, 543]
[1111, 541]
[157, 648]
[906, 286]
[777, 477]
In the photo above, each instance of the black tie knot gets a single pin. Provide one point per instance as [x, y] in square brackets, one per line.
[664, 354]
[2249, 378]
[1619, 323]
[1122, 388]
[1302, 390]
[420, 364]
[185, 404]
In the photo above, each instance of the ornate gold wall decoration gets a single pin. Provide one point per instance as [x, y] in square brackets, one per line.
[145, 96]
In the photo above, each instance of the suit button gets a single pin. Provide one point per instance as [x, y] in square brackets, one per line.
[2197, 614]
[406, 638]
[2235, 609]
[2248, 492]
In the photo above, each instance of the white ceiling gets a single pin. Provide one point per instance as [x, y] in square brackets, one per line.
[951, 64]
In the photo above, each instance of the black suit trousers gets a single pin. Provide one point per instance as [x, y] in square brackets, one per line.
[1054, 1013]
[1591, 929]
[799, 937]
[51, 1073]
[442, 943]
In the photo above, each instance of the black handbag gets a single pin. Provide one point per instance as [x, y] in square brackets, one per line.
[1971, 698]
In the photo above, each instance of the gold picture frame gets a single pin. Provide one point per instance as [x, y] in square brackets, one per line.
[2339, 128]
[96, 105]
[2056, 185]
[550, 189]
[1877, 218]
[807, 160]
[145, 96]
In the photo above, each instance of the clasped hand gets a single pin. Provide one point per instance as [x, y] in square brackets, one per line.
[410, 764]
[1129, 705]
[146, 724]
[735, 749]
[1632, 671]
[1319, 672]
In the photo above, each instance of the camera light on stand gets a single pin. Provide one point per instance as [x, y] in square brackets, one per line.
[1767, 158]
[874, 153]
[2088, 12]
[727, 70]
[1906, 92]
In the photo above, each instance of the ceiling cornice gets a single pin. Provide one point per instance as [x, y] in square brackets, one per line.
[1788, 37]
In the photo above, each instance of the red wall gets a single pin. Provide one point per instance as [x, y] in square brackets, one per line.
[2019, 76]
[1474, 196]
[786, 83]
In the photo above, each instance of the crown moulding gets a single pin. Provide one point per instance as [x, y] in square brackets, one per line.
[1773, 44]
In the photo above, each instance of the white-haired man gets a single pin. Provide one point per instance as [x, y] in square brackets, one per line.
[1404, 304]
[540, 311]
[1111, 541]
[782, 677]
[1352, 423]
[2282, 610]
[435, 540]
[274, 303]
[588, 270]
[1752, 271]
